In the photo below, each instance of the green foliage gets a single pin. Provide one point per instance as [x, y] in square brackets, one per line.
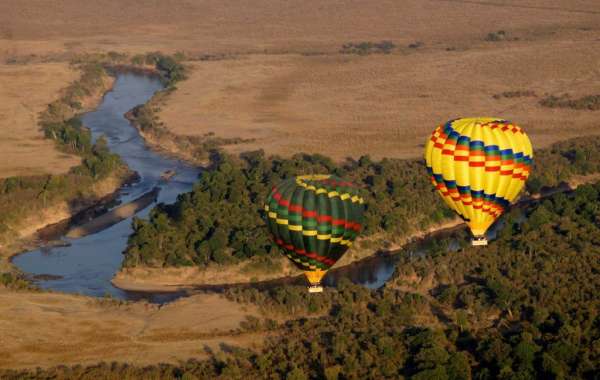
[221, 221]
[170, 69]
[515, 94]
[497, 36]
[15, 281]
[541, 279]
[540, 284]
[563, 160]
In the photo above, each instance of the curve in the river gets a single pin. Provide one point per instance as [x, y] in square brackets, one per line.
[88, 264]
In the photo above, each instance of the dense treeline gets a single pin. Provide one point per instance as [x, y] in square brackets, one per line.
[539, 285]
[220, 220]
[563, 160]
[525, 307]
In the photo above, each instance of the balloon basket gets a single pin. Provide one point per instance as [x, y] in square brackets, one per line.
[479, 241]
[315, 289]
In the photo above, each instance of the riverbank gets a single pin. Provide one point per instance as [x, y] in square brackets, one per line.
[160, 139]
[184, 278]
[102, 191]
[114, 216]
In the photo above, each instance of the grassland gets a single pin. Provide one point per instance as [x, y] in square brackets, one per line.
[25, 92]
[282, 82]
[384, 105]
[44, 329]
[275, 74]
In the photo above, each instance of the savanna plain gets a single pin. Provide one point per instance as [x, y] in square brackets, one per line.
[256, 91]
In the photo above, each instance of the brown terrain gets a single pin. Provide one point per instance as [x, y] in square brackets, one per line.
[290, 89]
[280, 80]
[25, 91]
[384, 105]
[44, 329]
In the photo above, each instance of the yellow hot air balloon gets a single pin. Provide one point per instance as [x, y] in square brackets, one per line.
[479, 166]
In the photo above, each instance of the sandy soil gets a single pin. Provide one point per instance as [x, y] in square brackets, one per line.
[385, 106]
[45, 329]
[24, 93]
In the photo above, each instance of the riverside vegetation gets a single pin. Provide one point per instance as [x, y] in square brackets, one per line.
[220, 220]
[27, 195]
[20, 196]
[525, 308]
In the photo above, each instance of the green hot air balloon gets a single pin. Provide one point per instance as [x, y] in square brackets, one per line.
[314, 219]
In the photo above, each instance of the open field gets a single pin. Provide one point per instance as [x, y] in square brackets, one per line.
[383, 105]
[284, 84]
[278, 92]
[26, 91]
[45, 329]
[212, 26]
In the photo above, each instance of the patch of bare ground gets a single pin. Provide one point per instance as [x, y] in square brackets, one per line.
[24, 93]
[46, 329]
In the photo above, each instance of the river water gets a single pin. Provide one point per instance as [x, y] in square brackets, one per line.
[87, 264]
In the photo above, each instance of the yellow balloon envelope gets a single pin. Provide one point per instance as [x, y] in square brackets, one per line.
[479, 166]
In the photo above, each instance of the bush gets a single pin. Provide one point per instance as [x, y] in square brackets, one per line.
[366, 48]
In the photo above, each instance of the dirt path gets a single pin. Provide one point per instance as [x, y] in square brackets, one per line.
[47, 329]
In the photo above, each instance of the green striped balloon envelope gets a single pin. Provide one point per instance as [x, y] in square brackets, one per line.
[314, 219]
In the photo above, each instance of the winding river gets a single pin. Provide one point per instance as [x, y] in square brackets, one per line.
[87, 265]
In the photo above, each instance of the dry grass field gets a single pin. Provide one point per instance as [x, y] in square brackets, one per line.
[291, 90]
[41, 26]
[24, 92]
[44, 329]
[384, 105]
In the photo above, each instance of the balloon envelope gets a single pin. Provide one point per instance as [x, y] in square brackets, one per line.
[479, 166]
[314, 219]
